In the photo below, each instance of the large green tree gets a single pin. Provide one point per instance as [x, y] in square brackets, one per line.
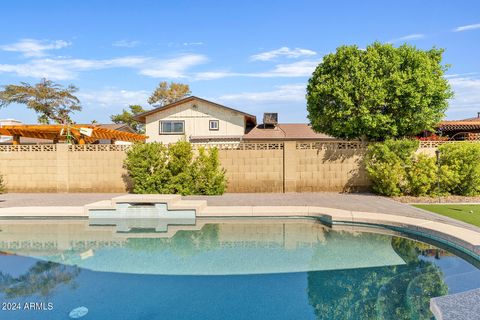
[51, 101]
[379, 92]
[167, 93]
[127, 117]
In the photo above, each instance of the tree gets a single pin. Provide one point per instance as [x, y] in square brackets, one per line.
[167, 93]
[50, 100]
[377, 93]
[127, 117]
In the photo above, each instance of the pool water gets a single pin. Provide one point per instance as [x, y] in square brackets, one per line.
[222, 269]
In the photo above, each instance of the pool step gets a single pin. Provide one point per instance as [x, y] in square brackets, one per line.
[144, 212]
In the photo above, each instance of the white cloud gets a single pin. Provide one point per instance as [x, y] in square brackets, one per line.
[66, 69]
[34, 48]
[126, 43]
[467, 27]
[112, 97]
[173, 68]
[198, 43]
[415, 36]
[283, 51]
[467, 95]
[302, 68]
[213, 75]
[297, 69]
[282, 94]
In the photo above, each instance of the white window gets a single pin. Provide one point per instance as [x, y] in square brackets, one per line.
[172, 127]
[213, 124]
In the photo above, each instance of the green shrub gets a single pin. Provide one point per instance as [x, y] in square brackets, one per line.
[208, 176]
[3, 189]
[156, 168]
[460, 168]
[422, 176]
[387, 165]
[146, 164]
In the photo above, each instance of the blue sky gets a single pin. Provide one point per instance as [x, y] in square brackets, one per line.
[256, 56]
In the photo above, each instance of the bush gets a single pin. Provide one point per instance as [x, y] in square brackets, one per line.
[3, 189]
[395, 169]
[387, 164]
[208, 176]
[156, 168]
[422, 176]
[460, 168]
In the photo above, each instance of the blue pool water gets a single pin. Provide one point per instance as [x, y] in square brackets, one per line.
[245, 269]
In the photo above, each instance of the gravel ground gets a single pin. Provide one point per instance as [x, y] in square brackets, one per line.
[445, 199]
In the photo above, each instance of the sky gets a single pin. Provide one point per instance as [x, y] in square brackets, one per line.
[255, 56]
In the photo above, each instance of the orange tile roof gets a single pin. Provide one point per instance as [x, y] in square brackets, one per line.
[455, 125]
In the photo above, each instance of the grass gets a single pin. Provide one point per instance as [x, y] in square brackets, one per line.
[469, 213]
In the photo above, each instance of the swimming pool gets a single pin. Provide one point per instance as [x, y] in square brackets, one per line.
[222, 269]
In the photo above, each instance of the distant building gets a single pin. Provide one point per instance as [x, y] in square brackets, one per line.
[201, 121]
[196, 120]
[466, 129]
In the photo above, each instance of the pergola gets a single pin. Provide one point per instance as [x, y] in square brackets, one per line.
[58, 132]
[467, 129]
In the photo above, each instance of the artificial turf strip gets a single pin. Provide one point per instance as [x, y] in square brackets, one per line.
[469, 213]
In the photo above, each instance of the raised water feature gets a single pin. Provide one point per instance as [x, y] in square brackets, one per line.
[150, 212]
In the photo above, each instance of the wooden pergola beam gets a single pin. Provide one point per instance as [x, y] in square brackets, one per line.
[52, 132]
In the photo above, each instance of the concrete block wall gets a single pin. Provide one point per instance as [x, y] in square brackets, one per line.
[56, 169]
[330, 170]
[262, 167]
[253, 170]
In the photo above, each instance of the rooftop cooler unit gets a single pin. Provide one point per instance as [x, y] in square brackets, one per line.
[270, 119]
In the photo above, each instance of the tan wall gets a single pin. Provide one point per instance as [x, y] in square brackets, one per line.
[253, 170]
[55, 168]
[196, 122]
[251, 167]
[295, 166]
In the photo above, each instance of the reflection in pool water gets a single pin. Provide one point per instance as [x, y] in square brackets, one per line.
[246, 269]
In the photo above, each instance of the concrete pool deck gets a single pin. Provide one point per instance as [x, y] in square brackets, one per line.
[361, 202]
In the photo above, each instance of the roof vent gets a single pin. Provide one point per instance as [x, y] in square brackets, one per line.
[270, 119]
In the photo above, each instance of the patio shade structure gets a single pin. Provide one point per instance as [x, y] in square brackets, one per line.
[468, 129]
[57, 132]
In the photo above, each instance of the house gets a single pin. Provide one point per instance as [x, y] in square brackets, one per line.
[196, 120]
[201, 121]
[466, 129]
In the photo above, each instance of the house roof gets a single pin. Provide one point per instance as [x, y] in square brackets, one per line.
[459, 125]
[286, 131]
[142, 116]
[116, 126]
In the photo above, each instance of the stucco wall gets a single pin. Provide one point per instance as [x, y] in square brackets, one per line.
[196, 122]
